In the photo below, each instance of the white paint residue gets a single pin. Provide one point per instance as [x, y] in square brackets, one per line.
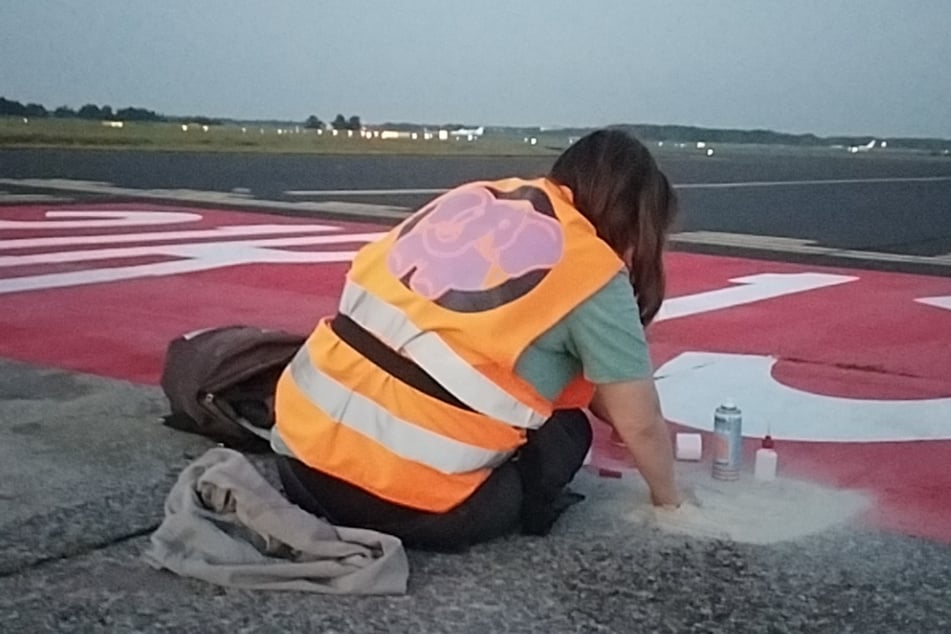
[753, 512]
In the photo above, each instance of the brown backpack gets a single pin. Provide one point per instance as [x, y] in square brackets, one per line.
[220, 383]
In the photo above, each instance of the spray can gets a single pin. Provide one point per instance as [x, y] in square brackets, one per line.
[728, 441]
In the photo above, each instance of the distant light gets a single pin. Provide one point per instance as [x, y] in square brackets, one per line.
[349, 133]
[532, 141]
[244, 130]
[884, 144]
[25, 120]
[660, 144]
[184, 127]
[389, 134]
[414, 135]
[204, 128]
[709, 151]
[335, 132]
[443, 135]
[701, 145]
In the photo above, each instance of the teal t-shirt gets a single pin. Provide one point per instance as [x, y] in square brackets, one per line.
[602, 338]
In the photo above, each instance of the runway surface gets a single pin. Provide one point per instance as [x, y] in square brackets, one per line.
[897, 204]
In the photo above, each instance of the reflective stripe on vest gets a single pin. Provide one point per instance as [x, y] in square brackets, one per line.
[403, 438]
[356, 449]
[434, 356]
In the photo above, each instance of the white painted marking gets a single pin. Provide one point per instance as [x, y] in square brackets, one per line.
[363, 192]
[7, 198]
[358, 209]
[203, 196]
[938, 302]
[196, 250]
[797, 245]
[194, 257]
[692, 384]
[726, 185]
[164, 236]
[99, 219]
[755, 288]
[742, 240]
[819, 181]
[201, 262]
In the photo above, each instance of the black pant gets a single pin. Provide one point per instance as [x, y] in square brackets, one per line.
[526, 491]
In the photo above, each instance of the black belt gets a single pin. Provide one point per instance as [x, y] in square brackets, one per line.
[391, 362]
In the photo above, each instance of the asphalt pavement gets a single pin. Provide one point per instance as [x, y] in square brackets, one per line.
[890, 202]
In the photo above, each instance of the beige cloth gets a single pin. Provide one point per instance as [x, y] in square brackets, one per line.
[225, 524]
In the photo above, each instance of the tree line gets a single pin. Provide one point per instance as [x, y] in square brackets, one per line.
[340, 122]
[13, 108]
[91, 111]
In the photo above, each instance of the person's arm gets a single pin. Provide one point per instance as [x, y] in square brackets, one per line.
[633, 409]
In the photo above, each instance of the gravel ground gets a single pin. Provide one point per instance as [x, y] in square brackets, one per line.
[843, 581]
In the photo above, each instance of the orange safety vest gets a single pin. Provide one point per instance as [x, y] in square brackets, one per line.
[458, 290]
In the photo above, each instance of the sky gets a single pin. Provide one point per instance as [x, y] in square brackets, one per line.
[857, 67]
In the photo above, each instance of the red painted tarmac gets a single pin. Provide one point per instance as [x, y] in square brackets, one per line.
[866, 339]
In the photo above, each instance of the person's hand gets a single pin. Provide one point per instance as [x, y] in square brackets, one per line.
[676, 500]
[690, 519]
[681, 515]
[668, 502]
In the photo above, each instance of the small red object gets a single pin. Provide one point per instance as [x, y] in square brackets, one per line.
[768, 442]
[609, 473]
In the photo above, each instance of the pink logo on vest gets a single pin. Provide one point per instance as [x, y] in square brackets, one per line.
[472, 241]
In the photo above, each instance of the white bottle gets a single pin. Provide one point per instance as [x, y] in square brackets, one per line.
[764, 469]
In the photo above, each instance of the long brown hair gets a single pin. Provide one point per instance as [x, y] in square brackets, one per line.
[618, 187]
